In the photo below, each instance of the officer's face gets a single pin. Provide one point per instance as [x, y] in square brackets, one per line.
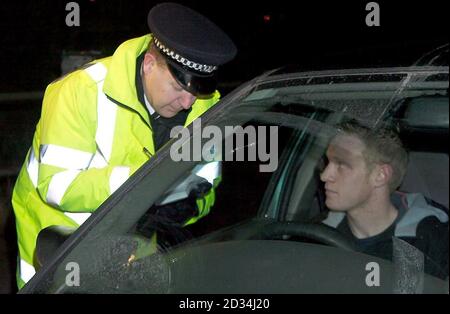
[348, 181]
[166, 96]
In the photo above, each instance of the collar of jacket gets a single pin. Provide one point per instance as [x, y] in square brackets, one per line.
[120, 81]
[417, 208]
[413, 207]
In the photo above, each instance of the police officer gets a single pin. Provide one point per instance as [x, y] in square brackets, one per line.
[101, 123]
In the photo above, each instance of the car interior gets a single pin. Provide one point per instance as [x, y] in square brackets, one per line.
[424, 130]
[425, 133]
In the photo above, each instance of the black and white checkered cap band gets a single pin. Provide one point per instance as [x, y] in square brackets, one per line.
[190, 64]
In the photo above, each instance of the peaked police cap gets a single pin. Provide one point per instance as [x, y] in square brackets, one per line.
[193, 46]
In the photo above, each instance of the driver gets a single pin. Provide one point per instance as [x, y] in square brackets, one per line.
[365, 167]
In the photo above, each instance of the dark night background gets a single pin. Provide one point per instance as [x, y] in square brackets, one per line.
[312, 34]
[268, 34]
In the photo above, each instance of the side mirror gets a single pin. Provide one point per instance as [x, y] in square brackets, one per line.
[48, 241]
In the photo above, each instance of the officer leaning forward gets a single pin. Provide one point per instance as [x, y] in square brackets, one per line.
[100, 123]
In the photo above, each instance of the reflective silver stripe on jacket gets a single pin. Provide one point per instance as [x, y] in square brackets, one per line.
[106, 120]
[33, 168]
[97, 71]
[59, 184]
[27, 271]
[106, 117]
[64, 157]
[79, 218]
[104, 137]
[67, 158]
[118, 176]
[210, 171]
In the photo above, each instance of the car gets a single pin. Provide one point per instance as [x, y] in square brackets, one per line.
[264, 233]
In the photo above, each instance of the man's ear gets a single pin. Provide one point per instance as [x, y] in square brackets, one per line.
[149, 63]
[383, 174]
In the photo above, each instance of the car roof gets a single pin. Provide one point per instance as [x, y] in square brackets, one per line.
[279, 74]
[435, 57]
[376, 89]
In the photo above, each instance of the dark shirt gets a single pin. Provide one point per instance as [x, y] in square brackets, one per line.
[431, 239]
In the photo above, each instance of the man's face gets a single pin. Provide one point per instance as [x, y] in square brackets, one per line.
[165, 95]
[347, 179]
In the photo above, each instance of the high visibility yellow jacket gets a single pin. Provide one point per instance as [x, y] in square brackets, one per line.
[90, 138]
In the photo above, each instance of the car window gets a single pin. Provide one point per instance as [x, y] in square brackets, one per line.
[245, 192]
[117, 250]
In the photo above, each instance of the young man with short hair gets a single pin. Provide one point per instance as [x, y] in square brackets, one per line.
[365, 167]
